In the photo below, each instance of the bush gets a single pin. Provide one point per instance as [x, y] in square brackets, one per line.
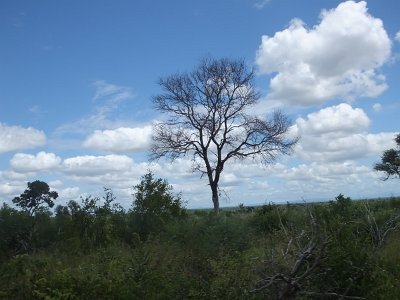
[269, 218]
[155, 205]
[92, 250]
[15, 227]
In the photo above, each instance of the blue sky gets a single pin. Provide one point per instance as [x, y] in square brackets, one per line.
[77, 77]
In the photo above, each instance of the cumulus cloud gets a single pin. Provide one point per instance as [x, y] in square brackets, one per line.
[69, 193]
[338, 133]
[321, 176]
[379, 142]
[89, 165]
[120, 140]
[10, 188]
[16, 138]
[317, 179]
[55, 183]
[336, 58]
[397, 37]
[11, 184]
[42, 161]
[335, 119]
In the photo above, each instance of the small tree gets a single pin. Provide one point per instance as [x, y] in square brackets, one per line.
[35, 197]
[154, 204]
[209, 120]
[154, 196]
[390, 161]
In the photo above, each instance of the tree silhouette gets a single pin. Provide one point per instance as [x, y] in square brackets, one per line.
[209, 120]
[36, 196]
[390, 161]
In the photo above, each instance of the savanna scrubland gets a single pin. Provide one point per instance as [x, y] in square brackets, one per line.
[95, 249]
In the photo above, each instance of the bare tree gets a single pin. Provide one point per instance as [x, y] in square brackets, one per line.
[209, 120]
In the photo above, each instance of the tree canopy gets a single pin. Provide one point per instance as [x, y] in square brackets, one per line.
[36, 196]
[210, 120]
[390, 161]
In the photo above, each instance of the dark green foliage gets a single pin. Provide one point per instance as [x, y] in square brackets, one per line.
[91, 224]
[390, 161]
[96, 250]
[36, 196]
[154, 196]
[269, 218]
[154, 205]
[14, 229]
[341, 207]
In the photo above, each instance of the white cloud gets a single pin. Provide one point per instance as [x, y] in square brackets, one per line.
[55, 183]
[244, 181]
[397, 37]
[17, 137]
[317, 180]
[260, 4]
[379, 142]
[96, 165]
[324, 181]
[8, 189]
[335, 119]
[111, 92]
[108, 98]
[336, 58]
[12, 176]
[92, 173]
[11, 184]
[42, 161]
[323, 173]
[338, 133]
[377, 107]
[69, 193]
[120, 140]
[121, 173]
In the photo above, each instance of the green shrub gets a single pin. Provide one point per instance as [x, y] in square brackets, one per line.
[155, 205]
[269, 218]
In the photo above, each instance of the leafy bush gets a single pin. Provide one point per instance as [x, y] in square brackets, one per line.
[14, 232]
[269, 218]
[155, 205]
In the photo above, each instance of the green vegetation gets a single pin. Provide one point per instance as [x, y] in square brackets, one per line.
[390, 161]
[35, 197]
[94, 249]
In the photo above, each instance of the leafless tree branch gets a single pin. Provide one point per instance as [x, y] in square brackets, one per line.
[207, 120]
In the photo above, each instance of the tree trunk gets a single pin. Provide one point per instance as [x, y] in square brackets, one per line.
[215, 197]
